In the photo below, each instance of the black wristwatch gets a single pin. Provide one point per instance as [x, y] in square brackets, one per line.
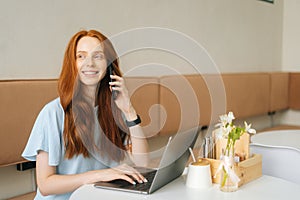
[134, 122]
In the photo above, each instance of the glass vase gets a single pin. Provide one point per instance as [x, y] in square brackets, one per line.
[229, 180]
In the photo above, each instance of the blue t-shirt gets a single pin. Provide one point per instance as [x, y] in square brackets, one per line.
[47, 135]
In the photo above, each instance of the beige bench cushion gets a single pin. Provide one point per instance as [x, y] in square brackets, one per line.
[144, 93]
[247, 94]
[191, 100]
[294, 91]
[279, 91]
[20, 103]
[185, 101]
[164, 103]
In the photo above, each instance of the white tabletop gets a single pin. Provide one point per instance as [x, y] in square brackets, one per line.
[278, 138]
[266, 187]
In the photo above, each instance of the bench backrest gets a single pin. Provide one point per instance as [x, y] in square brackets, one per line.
[20, 103]
[158, 101]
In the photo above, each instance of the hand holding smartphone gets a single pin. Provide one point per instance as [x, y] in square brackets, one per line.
[114, 92]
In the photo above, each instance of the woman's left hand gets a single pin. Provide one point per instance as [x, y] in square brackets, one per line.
[122, 100]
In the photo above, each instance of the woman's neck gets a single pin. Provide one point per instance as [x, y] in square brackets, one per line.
[90, 92]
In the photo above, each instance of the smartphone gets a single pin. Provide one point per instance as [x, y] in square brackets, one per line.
[114, 92]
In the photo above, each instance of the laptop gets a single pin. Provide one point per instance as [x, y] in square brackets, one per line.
[172, 164]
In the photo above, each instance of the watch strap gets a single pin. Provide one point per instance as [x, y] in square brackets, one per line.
[134, 122]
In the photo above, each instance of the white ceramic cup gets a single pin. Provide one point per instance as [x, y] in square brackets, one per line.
[199, 175]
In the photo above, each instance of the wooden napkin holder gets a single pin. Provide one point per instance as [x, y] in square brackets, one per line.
[247, 170]
[250, 166]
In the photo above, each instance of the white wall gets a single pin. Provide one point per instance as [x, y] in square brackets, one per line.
[291, 50]
[291, 33]
[240, 36]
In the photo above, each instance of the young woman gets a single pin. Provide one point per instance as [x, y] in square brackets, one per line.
[83, 136]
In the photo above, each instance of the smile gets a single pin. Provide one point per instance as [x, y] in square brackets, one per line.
[90, 72]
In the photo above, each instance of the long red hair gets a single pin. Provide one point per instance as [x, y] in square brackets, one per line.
[79, 122]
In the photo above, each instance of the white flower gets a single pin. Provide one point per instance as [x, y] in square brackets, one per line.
[225, 120]
[249, 129]
[227, 130]
[230, 117]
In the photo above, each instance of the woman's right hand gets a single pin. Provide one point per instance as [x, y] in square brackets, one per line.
[123, 171]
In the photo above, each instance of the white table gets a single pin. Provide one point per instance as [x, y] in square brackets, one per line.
[280, 150]
[278, 138]
[266, 187]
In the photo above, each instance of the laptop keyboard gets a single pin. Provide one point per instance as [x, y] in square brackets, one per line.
[145, 186]
[139, 186]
